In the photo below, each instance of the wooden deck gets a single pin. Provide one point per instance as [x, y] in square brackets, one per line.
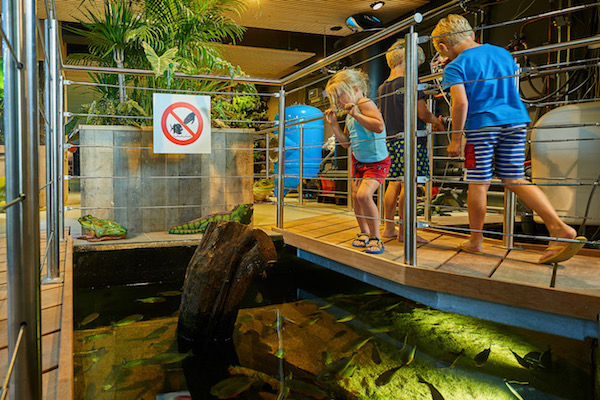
[56, 329]
[500, 276]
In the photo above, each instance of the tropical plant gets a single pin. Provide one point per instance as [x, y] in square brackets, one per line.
[166, 36]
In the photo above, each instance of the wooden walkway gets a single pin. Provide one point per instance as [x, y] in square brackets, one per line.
[501, 276]
[56, 329]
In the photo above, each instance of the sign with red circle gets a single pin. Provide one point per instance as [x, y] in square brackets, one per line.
[184, 130]
[181, 124]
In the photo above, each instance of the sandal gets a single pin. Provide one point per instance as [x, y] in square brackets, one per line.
[377, 244]
[362, 239]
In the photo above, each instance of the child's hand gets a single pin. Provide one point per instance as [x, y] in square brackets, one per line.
[453, 148]
[350, 109]
[437, 125]
[330, 116]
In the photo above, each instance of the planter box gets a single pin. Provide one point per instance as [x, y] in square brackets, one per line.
[147, 192]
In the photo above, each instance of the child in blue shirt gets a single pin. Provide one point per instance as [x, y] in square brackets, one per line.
[365, 134]
[495, 117]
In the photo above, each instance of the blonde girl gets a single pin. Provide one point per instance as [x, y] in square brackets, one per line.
[364, 133]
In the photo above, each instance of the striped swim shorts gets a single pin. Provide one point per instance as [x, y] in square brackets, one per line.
[499, 149]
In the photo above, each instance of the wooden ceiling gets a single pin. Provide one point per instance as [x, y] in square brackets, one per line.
[308, 16]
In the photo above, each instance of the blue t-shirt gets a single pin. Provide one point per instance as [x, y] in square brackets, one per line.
[492, 102]
[367, 146]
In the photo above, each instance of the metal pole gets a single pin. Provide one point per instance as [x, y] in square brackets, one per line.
[280, 157]
[429, 184]
[350, 200]
[23, 229]
[508, 226]
[60, 145]
[410, 150]
[267, 164]
[301, 164]
[380, 202]
[53, 255]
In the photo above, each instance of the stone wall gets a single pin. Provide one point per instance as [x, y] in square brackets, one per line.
[122, 174]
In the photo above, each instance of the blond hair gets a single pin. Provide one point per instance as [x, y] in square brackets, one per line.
[395, 54]
[455, 27]
[345, 81]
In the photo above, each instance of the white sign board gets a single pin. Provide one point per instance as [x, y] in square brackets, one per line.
[181, 123]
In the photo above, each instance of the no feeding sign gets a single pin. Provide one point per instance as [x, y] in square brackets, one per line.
[181, 124]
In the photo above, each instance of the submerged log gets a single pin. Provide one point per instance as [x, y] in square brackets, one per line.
[229, 256]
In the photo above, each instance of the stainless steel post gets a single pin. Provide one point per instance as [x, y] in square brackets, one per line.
[280, 157]
[429, 184]
[410, 150]
[380, 202]
[267, 139]
[508, 225]
[350, 200]
[53, 256]
[23, 229]
[60, 144]
[301, 164]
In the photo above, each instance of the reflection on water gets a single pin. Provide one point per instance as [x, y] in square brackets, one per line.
[367, 345]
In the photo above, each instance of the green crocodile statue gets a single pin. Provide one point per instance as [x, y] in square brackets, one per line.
[241, 214]
[96, 229]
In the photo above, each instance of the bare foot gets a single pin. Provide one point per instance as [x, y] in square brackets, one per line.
[566, 232]
[471, 246]
[389, 233]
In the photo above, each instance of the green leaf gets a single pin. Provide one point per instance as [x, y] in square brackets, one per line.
[162, 63]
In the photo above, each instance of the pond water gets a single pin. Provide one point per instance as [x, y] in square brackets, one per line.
[305, 332]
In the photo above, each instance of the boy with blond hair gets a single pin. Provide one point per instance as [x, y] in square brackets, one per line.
[391, 105]
[486, 102]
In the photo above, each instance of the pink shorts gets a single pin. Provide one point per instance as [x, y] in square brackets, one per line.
[374, 170]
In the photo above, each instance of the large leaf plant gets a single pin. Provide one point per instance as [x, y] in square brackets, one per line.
[166, 36]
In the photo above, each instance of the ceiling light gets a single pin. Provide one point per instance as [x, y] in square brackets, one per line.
[377, 5]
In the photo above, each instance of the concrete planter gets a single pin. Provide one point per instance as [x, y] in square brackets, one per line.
[147, 192]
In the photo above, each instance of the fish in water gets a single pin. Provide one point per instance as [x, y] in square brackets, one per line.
[280, 353]
[230, 388]
[383, 329]
[408, 356]
[546, 359]
[129, 320]
[154, 334]
[95, 336]
[524, 363]
[458, 356]
[390, 308]
[345, 319]
[335, 369]
[259, 298]
[168, 358]
[482, 357]
[116, 375]
[245, 318]
[387, 376]
[374, 293]
[435, 394]
[375, 356]
[326, 306]
[356, 346]
[152, 300]
[310, 322]
[326, 358]
[339, 334]
[89, 318]
[170, 293]
[516, 388]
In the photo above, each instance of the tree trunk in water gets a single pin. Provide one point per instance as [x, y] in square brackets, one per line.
[229, 256]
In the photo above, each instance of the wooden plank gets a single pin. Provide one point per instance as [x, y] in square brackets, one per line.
[3, 288]
[66, 389]
[473, 264]
[50, 384]
[579, 274]
[437, 252]
[521, 266]
[321, 222]
[578, 305]
[50, 344]
[50, 298]
[332, 229]
[50, 323]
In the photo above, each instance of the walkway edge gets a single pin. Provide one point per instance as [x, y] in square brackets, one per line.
[65, 385]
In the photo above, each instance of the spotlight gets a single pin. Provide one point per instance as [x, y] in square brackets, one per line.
[377, 5]
[358, 22]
